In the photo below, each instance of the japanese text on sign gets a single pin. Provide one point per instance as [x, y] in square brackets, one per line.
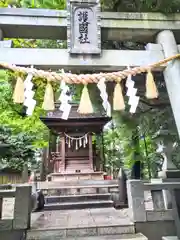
[83, 27]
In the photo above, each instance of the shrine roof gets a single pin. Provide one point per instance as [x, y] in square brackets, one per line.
[74, 115]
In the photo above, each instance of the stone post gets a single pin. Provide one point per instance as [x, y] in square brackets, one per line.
[171, 72]
[135, 193]
[33, 182]
[122, 186]
[22, 207]
[25, 173]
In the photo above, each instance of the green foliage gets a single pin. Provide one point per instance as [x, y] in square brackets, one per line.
[20, 148]
[116, 141]
[24, 132]
[55, 4]
[3, 3]
[119, 147]
[164, 6]
[13, 115]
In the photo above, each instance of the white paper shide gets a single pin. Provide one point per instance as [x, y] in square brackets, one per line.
[29, 102]
[131, 93]
[64, 98]
[103, 93]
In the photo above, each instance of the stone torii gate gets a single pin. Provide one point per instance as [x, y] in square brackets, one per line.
[52, 24]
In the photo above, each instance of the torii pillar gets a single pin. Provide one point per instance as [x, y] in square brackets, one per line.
[172, 78]
[172, 72]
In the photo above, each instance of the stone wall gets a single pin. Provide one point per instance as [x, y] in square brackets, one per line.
[14, 226]
[151, 217]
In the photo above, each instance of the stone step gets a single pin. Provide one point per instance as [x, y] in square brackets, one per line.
[115, 232]
[77, 161]
[58, 186]
[137, 236]
[78, 205]
[64, 183]
[55, 225]
[77, 198]
[170, 238]
[79, 190]
[77, 165]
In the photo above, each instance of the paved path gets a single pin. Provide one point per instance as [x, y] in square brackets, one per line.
[79, 218]
[73, 224]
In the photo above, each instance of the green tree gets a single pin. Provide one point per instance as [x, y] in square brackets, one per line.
[20, 148]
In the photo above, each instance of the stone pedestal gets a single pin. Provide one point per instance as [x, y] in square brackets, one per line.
[169, 176]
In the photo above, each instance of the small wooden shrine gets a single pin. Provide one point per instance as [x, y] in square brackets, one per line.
[76, 155]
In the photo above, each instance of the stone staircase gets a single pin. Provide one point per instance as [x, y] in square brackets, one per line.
[81, 210]
[78, 201]
[92, 224]
[78, 194]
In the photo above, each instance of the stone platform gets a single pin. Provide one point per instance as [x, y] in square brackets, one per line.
[78, 187]
[79, 223]
[72, 176]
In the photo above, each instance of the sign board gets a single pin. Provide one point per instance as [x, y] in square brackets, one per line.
[83, 27]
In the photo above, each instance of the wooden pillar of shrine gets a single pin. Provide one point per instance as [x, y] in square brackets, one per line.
[51, 148]
[44, 163]
[63, 153]
[90, 152]
[101, 151]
